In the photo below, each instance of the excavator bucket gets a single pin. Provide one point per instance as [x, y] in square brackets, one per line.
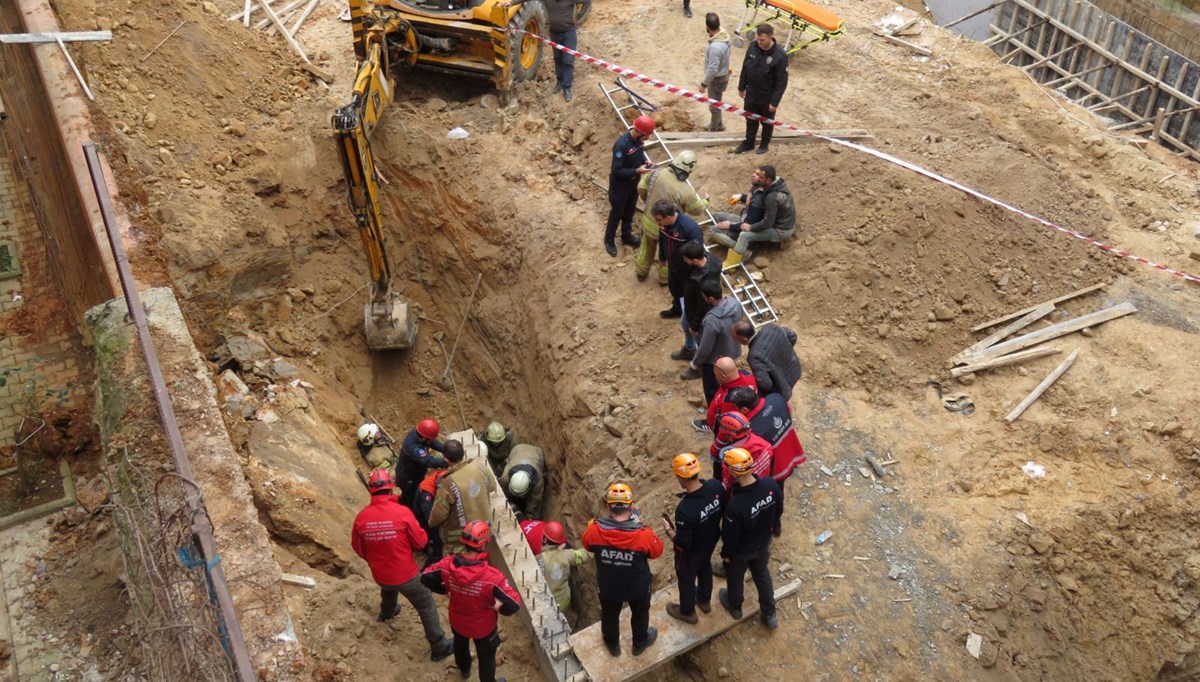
[390, 325]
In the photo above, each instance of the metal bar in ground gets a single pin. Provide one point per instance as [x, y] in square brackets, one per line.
[234, 640]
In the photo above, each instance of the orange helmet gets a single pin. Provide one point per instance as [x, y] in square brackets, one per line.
[381, 479]
[428, 429]
[739, 461]
[554, 532]
[732, 426]
[476, 535]
[619, 493]
[643, 124]
[685, 465]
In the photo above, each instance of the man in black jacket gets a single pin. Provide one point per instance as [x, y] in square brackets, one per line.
[629, 163]
[772, 356]
[753, 515]
[695, 532]
[762, 82]
[699, 266]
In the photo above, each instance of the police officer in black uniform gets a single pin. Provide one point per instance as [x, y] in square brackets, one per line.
[695, 532]
[628, 162]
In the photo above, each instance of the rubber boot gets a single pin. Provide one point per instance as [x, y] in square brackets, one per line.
[732, 260]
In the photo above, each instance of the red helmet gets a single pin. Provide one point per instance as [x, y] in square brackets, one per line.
[381, 479]
[643, 124]
[554, 532]
[428, 429]
[732, 426]
[476, 535]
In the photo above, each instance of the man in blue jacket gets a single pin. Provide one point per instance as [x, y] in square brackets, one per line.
[761, 84]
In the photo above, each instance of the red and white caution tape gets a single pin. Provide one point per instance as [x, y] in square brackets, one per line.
[725, 106]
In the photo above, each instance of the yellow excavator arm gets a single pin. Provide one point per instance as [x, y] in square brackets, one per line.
[382, 43]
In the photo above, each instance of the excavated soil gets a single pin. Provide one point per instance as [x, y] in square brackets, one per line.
[228, 169]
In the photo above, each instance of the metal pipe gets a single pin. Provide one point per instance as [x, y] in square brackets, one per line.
[201, 525]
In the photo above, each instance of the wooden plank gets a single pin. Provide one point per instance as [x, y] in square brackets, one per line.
[70, 37]
[674, 636]
[1030, 309]
[1004, 332]
[703, 139]
[78, 76]
[308, 9]
[904, 43]
[1041, 388]
[1011, 358]
[1163, 63]
[1056, 330]
[284, 32]
[972, 15]
[299, 580]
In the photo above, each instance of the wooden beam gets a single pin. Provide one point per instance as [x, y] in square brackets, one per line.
[78, 76]
[308, 9]
[1041, 388]
[904, 43]
[73, 37]
[1030, 309]
[1056, 330]
[706, 139]
[1019, 356]
[674, 636]
[283, 31]
[1004, 332]
[974, 14]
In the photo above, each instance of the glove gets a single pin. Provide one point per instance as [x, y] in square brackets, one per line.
[735, 199]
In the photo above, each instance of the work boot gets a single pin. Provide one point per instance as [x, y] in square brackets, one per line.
[610, 247]
[441, 650]
[715, 127]
[631, 240]
[383, 617]
[465, 672]
[651, 636]
[687, 12]
[689, 373]
[568, 95]
[700, 425]
[723, 597]
[744, 147]
[684, 354]
[671, 314]
[641, 276]
[614, 650]
[704, 606]
[557, 89]
[674, 611]
[771, 622]
[762, 148]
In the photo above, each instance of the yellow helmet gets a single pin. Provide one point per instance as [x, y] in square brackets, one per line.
[685, 465]
[739, 461]
[619, 493]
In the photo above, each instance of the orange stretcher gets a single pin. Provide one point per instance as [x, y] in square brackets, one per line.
[807, 23]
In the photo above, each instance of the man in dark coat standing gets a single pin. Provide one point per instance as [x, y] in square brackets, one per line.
[629, 163]
[761, 84]
[772, 356]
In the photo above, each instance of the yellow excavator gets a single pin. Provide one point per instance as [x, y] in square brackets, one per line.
[459, 37]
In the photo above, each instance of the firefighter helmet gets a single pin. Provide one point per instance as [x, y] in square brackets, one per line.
[643, 124]
[554, 532]
[428, 429]
[367, 433]
[476, 535]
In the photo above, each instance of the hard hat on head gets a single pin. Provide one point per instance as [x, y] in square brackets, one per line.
[519, 483]
[494, 433]
[619, 493]
[732, 426]
[739, 461]
[367, 433]
[686, 465]
[428, 428]
[380, 479]
[685, 161]
[643, 124]
[554, 532]
[476, 535]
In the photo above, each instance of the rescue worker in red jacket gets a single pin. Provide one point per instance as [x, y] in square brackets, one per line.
[694, 532]
[733, 431]
[424, 505]
[479, 594]
[771, 419]
[729, 377]
[385, 533]
[623, 547]
[534, 532]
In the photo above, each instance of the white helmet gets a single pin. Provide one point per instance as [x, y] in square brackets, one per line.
[367, 433]
[519, 483]
[685, 161]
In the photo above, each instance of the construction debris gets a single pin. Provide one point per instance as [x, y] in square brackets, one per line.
[1056, 330]
[1026, 311]
[1009, 359]
[1041, 388]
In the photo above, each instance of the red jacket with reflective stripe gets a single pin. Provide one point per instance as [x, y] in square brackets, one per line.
[534, 531]
[771, 419]
[385, 534]
[474, 586]
[717, 406]
[760, 450]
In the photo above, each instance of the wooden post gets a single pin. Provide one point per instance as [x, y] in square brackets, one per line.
[1158, 121]
[1041, 388]
[1187, 120]
[1106, 42]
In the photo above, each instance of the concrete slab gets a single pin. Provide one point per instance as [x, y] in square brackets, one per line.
[674, 637]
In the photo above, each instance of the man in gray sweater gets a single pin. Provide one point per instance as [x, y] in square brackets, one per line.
[716, 66]
[716, 339]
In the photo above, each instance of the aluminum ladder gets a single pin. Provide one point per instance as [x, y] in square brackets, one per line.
[629, 105]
